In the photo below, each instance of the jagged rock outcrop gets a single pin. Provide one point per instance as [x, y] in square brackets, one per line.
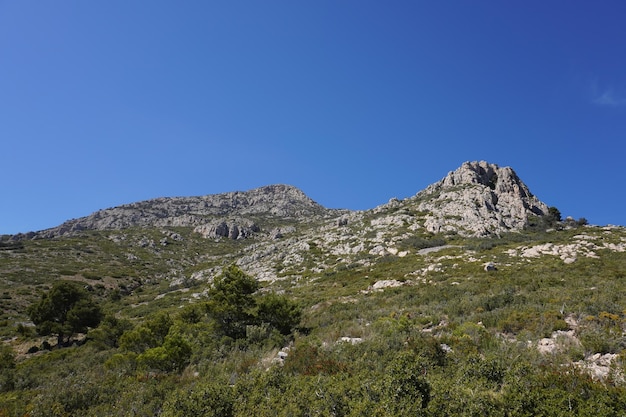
[478, 199]
[280, 232]
[231, 229]
[280, 201]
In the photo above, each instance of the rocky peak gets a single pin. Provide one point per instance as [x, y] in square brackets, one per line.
[279, 199]
[479, 198]
[501, 180]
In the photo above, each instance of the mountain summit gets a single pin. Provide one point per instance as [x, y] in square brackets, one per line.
[479, 198]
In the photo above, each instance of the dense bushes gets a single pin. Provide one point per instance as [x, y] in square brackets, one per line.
[7, 368]
[233, 316]
[211, 399]
[417, 242]
[278, 312]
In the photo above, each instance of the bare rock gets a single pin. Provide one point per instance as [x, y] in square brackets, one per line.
[599, 366]
[490, 266]
[231, 229]
[280, 200]
[387, 283]
[479, 199]
[342, 221]
[351, 340]
[280, 232]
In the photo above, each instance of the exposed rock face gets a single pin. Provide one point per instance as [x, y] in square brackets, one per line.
[582, 246]
[282, 201]
[232, 229]
[280, 232]
[479, 199]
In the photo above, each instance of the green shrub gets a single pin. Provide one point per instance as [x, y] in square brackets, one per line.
[279, 312]
[204, 399]
[7, 368]
[417, 242]
[307, 359]
[405, 390]
[173, 355]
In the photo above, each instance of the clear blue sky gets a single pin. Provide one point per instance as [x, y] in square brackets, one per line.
[110, 102]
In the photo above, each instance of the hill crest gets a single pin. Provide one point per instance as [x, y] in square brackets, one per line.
[477, 199]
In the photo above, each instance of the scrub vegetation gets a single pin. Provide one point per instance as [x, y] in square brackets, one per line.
[448, 338]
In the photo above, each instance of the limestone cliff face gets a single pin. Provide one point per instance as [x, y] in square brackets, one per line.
[479, 199]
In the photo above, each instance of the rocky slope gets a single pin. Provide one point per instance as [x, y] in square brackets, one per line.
[287, 234]
[479, 199]
[207, 212]
[476, 200]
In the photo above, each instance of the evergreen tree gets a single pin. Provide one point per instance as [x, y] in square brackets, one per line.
[231, 301]
[65, 310]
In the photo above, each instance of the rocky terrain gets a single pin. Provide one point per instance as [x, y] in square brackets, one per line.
[477, 199]
[274, 201]
[473, 277]
[282, 223]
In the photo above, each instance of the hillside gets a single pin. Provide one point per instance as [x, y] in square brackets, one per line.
[469, 298]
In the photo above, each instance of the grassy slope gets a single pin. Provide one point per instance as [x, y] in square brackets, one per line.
[486, 318]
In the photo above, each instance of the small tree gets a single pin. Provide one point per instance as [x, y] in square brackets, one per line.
[108, 333]
[231, 302]
[279, 312]
[554, 214]
[173, 355]
[149, 335]
[65, 310]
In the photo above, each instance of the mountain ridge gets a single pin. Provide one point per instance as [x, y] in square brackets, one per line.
[278, 200]
[478, 198]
